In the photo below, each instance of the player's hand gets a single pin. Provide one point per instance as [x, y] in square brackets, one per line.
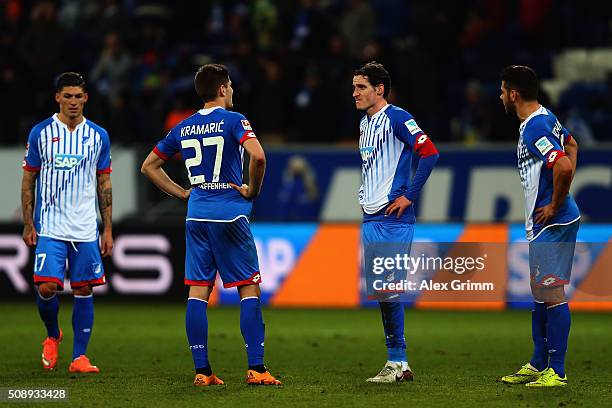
[399, 204]
[106, 245]
[244, 190]
[543, 215]
[186, 194]
[29, 235]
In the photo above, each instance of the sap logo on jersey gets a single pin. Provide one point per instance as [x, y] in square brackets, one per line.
[66, 161]
[366, 152]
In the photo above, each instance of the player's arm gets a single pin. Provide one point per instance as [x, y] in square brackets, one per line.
[571, 150]
[105, 203]
[428, 156]
[563, 170]
[257, 169]
[28, 183]
[152, 169]
[31, 167]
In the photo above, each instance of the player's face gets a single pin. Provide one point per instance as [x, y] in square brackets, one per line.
[71, 100]
[229, 93]
[507, 99]
[364, 93]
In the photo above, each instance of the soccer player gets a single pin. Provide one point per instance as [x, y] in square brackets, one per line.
[388, 138]
[68, 161]
[218, 237]
[546, 162]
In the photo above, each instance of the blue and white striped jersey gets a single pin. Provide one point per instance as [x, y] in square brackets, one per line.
[386, 143]
[540, 145]
[67, 163]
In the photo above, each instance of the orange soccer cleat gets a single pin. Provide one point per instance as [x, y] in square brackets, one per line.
[202, 380]
[255, 378]
[82, 364]
[50, 351]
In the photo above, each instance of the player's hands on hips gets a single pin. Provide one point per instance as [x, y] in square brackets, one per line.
[106, 245]
[29, 235]
[399, 204]
[543, 215]
[186, 194]
[244, 190]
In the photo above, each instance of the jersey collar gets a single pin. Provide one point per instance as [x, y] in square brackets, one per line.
[540, 111]
[208, 110]
[60, 123]
[384, 108]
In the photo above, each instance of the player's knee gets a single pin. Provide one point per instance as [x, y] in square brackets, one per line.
[251, 290]
[549, 295]
[47, 289]
[83, 291]
[200, 292]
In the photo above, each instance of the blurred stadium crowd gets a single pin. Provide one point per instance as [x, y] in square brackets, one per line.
[291, 62]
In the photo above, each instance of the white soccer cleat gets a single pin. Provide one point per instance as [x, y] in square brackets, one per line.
[391, 373]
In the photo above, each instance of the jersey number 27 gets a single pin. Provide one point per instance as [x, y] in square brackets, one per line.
[197, 159]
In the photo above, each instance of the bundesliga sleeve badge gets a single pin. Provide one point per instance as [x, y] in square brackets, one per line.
[544, 145]
[246, 124]
[412, 126]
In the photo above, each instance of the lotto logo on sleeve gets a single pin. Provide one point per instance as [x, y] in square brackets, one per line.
[246, 124]
[552, 157]
[544, 145]
[66, 161]
[412, 126]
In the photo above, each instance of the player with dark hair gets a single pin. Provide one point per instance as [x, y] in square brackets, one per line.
[388, 138]
[218, 237]
[547, 155]
[68, 161]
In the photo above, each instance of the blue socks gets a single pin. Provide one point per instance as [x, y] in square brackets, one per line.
[558, 322]
[48, 310]
[82, 323]
[538, 334]
[82, 320]
[393, 323]
[196, 324]
[252, 328]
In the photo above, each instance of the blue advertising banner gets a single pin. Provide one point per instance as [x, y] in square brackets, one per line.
[467, 185]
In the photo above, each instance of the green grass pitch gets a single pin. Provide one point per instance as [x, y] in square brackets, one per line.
[322, 357]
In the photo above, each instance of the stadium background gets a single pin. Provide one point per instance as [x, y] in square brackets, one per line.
[291, 63]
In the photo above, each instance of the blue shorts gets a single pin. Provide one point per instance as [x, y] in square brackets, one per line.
[384, 239]
[551, 255]
[227, 247]
[84, 262]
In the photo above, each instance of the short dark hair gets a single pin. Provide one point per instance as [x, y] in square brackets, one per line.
[208, 79]
[69, 79]
[522, 79]
[376, 74]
